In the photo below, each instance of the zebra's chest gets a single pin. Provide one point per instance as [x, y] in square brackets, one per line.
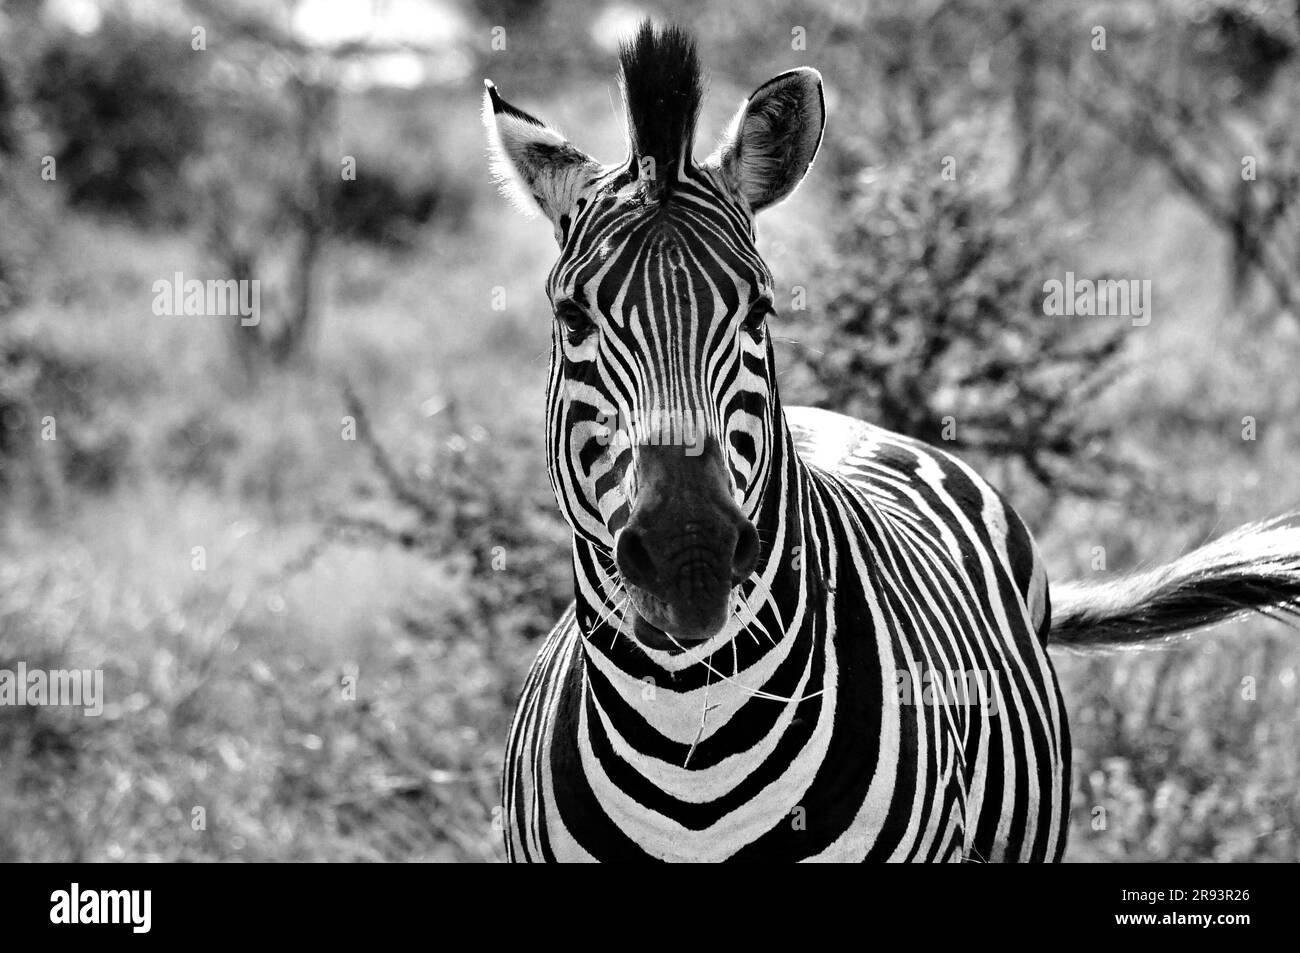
[852, 771]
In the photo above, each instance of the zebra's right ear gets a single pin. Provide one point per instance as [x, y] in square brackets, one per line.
[534, 166]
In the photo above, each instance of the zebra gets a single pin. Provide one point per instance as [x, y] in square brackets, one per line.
[760, 589]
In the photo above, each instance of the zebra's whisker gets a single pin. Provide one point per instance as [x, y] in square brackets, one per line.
[744, 626]
[622, 620]
[768, 600]
[753, 628]
[704, 714]
[752, 692]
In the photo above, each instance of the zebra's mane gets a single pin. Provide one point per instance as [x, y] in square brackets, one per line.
[663, 88]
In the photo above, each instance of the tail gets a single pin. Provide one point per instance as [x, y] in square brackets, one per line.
[1252, 569]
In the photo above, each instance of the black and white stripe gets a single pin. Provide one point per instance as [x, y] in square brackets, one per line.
[788, 733]
[889, 558]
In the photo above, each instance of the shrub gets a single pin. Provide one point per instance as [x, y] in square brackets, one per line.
[121, 107]
[933, 326]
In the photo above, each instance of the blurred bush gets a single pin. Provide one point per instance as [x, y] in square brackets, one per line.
[51, 432]
[121, 107]
[472, 494]
[933, 326]
[381, 209]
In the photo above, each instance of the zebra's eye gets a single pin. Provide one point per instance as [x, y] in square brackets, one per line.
[577, 326]
[758, 314]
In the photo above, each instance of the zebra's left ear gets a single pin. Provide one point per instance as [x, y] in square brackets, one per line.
[773, 139]
[534, 166]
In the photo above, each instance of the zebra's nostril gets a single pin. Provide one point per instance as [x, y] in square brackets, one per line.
[746, 554]
[633, 559]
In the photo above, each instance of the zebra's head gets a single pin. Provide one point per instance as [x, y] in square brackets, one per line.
[662, 407]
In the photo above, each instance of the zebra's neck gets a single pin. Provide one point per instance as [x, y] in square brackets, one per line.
[677, 692]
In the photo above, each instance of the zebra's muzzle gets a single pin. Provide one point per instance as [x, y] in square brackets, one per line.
[685, 546]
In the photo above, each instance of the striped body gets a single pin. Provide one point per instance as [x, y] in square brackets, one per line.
[897, 564]
[794, 637]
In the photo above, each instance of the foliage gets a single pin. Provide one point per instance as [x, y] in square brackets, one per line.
[123, 109]
[41, 389]
[508, 534]
[381, 209]
[933, 326]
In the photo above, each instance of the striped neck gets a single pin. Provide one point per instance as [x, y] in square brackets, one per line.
[769, 611]
[729, 733]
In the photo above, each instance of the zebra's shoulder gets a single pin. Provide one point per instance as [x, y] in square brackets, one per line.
[844, 446]
[881, 462]
[825, 438]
